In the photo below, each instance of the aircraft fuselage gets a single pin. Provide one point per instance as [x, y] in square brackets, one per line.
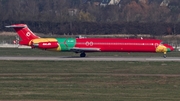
[100, 44]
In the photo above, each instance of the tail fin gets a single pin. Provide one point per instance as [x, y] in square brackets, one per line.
[24, 33]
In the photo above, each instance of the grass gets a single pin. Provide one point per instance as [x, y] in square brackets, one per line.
[87, 81]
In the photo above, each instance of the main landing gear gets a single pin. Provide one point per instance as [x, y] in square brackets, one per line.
[83, 54]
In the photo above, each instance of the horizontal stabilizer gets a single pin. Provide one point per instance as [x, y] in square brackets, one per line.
[16, 26]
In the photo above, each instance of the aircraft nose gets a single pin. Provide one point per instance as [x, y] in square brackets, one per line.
[169, 48]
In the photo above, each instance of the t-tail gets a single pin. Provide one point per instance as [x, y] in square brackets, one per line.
[24, 33]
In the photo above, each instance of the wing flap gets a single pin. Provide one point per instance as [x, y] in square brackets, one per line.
[77, 49]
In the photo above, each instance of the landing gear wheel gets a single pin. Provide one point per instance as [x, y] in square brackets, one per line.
[164, 56]
[83, 55]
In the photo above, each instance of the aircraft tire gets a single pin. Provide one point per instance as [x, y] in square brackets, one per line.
[164, 56]
[83, 55]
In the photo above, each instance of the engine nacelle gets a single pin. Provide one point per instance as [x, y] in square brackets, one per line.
[46, 45]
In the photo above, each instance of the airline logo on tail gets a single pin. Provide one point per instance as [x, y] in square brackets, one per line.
[24, 32]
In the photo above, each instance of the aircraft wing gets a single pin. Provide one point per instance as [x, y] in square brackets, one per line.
[77, 49]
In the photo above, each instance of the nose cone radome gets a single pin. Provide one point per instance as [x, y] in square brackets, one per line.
[169, 48]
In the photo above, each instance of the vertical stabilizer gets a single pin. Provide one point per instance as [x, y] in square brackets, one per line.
[24, 33]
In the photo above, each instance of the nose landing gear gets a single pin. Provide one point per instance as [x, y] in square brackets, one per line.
[164, 55]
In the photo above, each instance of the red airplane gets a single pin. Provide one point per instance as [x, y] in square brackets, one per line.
[83, 45]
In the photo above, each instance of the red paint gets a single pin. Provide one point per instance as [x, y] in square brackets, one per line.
[47, 45]
[83, 45]
[168, 46]
[119, 45]
[24, 32]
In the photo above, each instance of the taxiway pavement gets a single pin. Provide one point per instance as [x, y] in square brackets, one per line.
[90, 58]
